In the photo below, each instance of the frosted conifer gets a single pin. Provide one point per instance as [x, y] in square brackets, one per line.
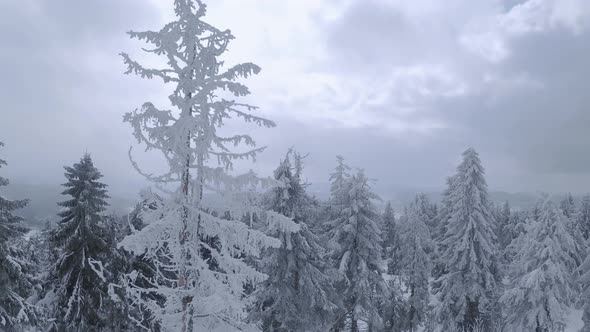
[297, 296]
[391, 245]
[568, 206]
[415, 263]
[198, 244]
[469, 284]
[80, 272]
[355, 240]
[15, 279]
[542, 276]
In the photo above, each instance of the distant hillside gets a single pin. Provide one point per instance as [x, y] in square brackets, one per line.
[44, 200]
[402, 197]
[517, 200]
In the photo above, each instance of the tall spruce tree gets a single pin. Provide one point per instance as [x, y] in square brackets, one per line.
[415, 264]
[568, 206]
[298, 294]
[355, 240]
[439, 232]
[445, 211]
[426, 210]
[198, 244]
[542, 276]
[80, 272]
[338, 184]
[468, 287]
[15, 278]
[569, 210]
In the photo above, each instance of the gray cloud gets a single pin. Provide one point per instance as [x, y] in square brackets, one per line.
[62, 89]
[393, 88]
[527, 113]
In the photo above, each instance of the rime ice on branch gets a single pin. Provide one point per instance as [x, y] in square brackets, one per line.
[198, 255]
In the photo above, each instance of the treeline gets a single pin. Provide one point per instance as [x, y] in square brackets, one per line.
[465, 264]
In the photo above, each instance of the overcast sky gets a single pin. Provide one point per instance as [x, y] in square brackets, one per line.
[397, 87]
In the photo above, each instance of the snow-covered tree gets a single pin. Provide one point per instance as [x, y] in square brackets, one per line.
[542, 276]
[570, 211]
[15, 278]
[35, 249]
[338, 182]
[469, 284]
[355, 241]
[297, 294]
[198, 244]
[426, 210]
[568, 206]
[117, 264]
[415, 263]
[445, 211]
[438, 232]
[388, 219]
[80, 272]
[504, 236]
[516, 228]
[44, 255]
[583, 218]
[391, 246]
[584, 282]
[40, 250]
[144, 268]
[391, 305]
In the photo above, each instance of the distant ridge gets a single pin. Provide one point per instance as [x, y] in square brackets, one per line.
[44, 197]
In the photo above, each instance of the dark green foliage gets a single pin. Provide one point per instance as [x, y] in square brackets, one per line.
[81, 272]
[15, 269]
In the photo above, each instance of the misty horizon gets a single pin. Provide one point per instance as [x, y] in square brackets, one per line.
[436, 81]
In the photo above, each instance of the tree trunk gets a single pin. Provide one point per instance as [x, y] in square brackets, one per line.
[187, 306]
[412, 310]
[472, 315]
